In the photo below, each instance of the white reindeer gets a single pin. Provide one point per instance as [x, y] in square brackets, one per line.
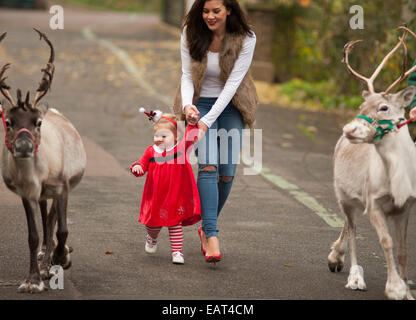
[375, 173]
[43, 158]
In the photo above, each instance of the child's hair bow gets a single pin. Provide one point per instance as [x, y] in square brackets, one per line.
[154, 115]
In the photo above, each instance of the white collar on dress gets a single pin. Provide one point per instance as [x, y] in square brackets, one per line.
[160, 150]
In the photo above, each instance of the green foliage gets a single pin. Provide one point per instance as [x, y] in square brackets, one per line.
[121, 5]
[322, 93]
[310, 36]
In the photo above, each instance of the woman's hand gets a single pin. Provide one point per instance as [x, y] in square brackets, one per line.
[191, 114]
[412, 114]
[137, 169]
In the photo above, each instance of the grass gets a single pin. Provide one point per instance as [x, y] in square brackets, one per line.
[306, 95]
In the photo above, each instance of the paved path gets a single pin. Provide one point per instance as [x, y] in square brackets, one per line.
[274, 240]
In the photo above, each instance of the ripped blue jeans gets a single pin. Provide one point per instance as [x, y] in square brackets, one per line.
[220, 148]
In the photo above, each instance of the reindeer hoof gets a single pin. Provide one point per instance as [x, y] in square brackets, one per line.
[396, 290]
[335, 266]
[336, 261]
[356, 279]
[44, 273]
[41, 254]
[63, 259]
[28, 287]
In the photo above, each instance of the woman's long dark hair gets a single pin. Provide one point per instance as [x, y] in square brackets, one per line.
[199, 36]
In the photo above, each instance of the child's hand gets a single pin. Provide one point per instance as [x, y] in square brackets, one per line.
[137, 169]
[1, 108]
[202, 129]
[412, 114]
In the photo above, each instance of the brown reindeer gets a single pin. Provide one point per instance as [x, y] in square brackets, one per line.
[43, 158]
[375, 173]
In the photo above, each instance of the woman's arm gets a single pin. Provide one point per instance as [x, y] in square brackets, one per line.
[237, 75]
[187, 86]
[411, 81]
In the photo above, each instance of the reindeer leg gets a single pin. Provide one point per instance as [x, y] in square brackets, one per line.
[43, 205]
[396, 288]
[50, 243]
[61, 255]
[337, 255]
[33, 282]
[356, 274]
[400, 221]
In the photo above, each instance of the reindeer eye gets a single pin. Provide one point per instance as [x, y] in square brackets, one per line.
[38, 123]
[384, 107]
[8, 123]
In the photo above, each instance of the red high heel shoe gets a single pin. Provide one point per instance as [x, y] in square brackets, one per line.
[200, 237]
[213, 259]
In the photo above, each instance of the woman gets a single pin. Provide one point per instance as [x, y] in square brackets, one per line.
[411, 81]
[217, 48]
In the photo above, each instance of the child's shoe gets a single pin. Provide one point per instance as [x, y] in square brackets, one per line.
[151, 245]
[177, 257]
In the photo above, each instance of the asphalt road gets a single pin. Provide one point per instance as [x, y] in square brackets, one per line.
[273, 245]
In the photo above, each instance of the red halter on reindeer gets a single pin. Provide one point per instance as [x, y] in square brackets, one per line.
[38, 172]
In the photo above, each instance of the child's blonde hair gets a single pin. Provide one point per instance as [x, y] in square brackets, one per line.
[167, 123]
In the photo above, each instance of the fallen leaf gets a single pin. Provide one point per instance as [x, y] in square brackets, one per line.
[109, 252]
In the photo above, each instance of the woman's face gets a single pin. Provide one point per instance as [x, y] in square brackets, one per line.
[215, 15]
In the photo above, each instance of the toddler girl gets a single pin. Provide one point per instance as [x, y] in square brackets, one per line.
[170, 195]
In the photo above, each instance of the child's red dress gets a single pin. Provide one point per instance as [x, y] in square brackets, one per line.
[170, 195]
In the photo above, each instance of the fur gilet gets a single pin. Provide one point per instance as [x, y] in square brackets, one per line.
[245, 98]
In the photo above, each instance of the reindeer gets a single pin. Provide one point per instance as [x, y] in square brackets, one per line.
[38, 169]
[375, 173]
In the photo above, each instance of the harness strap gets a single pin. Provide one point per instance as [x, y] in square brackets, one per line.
[369, 120]
[380, 131]
[9, 145]
[31, 135]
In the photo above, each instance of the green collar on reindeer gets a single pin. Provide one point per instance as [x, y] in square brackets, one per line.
[382, 131]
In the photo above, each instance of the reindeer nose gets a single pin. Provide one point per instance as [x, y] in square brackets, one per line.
[349, 131]
[23, 148]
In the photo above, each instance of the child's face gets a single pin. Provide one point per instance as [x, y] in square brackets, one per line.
[163, 137]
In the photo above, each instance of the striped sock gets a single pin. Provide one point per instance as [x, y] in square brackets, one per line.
[176, 238]
[153, 232]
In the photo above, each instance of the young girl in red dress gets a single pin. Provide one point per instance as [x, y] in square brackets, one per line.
[170, 195]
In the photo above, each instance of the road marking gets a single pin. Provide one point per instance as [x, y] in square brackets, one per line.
[411, 282]
[303, 197]
[129, 64]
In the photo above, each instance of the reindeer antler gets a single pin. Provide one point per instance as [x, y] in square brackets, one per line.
[4, 88]
[47, 73]
[370, 81]
[405, 73]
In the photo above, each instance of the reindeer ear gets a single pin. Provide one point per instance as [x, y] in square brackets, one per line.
[43, 107]
[6, 105]
[365, 94]
[404, 97]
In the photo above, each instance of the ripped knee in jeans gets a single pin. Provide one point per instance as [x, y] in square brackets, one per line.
[226, 179]
[208, 168]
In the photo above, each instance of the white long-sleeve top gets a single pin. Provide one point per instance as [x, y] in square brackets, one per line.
[212, 86]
